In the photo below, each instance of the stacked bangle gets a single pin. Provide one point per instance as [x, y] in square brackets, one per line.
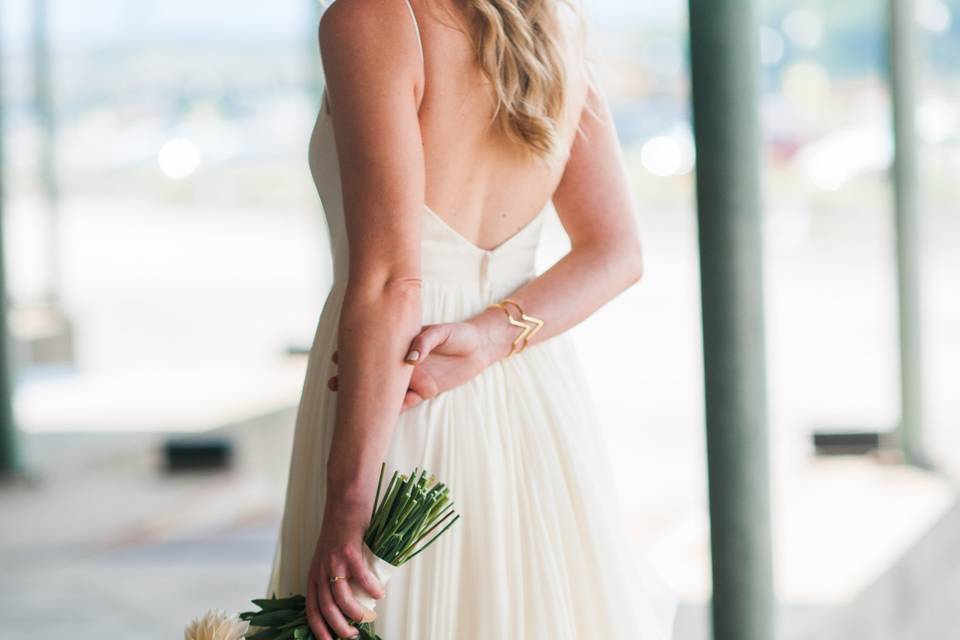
[528, 324]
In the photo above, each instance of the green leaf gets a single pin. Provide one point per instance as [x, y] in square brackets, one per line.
[264, 634]
[274, 618]
[294, 623]
[367, 632]
[272, 604]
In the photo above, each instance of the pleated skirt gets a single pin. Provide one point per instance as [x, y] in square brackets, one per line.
[540, 550]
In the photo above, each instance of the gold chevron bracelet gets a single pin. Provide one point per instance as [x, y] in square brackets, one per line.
[528, 324]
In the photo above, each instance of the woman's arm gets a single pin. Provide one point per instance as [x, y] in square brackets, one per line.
[374, 76]
[596, 208]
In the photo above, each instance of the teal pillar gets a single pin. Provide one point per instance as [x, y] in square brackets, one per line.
[724, 37]
[903, 73]
[9, 451]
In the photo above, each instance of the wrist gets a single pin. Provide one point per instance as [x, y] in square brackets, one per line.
[496, 335]
[347, 514]
[348, 493]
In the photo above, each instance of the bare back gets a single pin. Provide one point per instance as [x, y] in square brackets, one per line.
[480, 183]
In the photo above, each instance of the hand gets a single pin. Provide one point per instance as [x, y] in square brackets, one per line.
[444, 356]
[449, 354]
[339, 553]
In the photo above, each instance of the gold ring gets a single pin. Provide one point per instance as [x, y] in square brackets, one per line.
[335, 578]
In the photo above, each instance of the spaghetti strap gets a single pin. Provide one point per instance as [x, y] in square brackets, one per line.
[416, 27]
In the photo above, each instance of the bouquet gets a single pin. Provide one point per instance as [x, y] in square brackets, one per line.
[410, 515]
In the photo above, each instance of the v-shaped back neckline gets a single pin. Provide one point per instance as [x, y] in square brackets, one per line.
[473, 245]
[459, 236]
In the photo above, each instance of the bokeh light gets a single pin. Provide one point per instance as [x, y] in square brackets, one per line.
[178, 158]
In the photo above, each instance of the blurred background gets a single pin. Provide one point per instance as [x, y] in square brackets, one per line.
[166, 262]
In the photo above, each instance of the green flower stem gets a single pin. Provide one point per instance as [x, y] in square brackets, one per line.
[405, 513]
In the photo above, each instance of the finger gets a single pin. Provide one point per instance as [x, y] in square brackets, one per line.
[410, 400]
[423, 384]
[343, 596]
[335, 357]
[429, 338]
[333, 383]
[332, 614]
[342, 593]
[317, 625]
[364, 576]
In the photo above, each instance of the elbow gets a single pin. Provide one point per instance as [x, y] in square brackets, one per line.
[394, 296]
[402, 294]
[402, 289]
[620, 258]
[623, 260]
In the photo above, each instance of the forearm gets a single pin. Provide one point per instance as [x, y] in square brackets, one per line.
[376, 326]
[566, 294]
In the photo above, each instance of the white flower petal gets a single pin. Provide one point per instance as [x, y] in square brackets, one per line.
[216, 625]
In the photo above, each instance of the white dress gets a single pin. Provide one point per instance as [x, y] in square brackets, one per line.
[540, 550]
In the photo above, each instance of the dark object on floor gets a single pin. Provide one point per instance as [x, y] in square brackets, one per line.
[846, 443]
[197, 454]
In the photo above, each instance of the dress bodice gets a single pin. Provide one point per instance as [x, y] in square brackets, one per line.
[446, 257]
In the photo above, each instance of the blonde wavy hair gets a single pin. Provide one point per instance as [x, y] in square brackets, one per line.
[519, 45]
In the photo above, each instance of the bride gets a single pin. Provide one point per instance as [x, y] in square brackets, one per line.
[447, 128]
